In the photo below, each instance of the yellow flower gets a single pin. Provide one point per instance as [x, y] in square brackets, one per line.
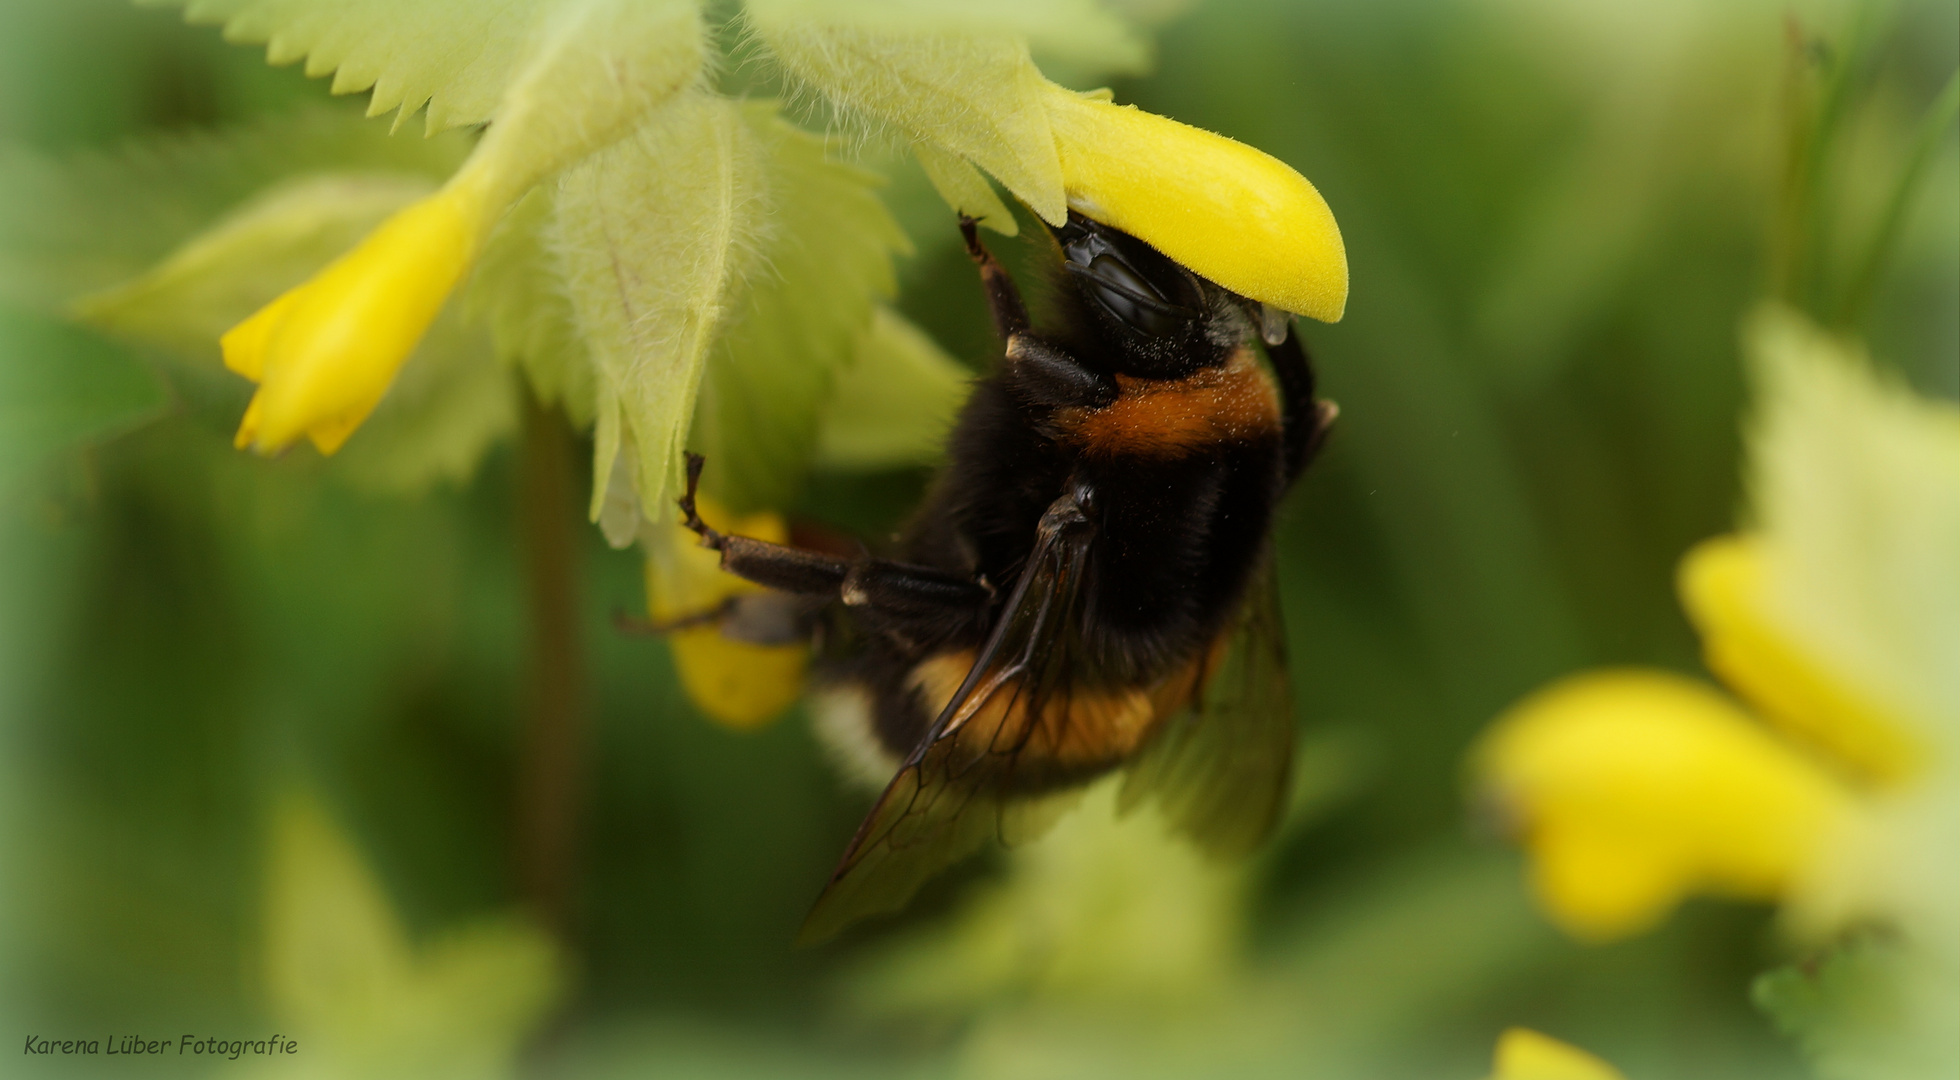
[1838, 620]
[1234, 214]
[737, 683]
[1523, 1054]
[1636, 788]
[325, 352]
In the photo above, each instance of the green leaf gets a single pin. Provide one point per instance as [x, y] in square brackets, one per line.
[895, 403]
[1084, 34]
[964, 189]
[455, 55]
[360, 999]
[518, 294]
[87, 222]
[60, 387]
[973, 93]
[1856, 481]
[1868, 1010]
[598, 69]
[247, 259]
[820, 266]
[654, 233]
[451, 402]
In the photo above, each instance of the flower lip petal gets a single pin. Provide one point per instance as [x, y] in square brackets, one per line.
[1227, 211]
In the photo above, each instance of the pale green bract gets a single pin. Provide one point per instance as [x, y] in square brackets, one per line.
[895, 403]
[652, 235]
[458, 56]
[822, 261]
[976, 96]
[517, 294]
[964, 189]
[1857, 479]
[1860, 481]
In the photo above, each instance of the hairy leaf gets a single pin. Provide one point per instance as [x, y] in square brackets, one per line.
[964, 189]
[1082, 33]
[652, 235]
[824, 260]
[519, 295]
[895, 403]
[973, 94]
[458, 56]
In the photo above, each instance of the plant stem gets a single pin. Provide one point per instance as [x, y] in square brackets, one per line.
[1933, 129]
[551, 768]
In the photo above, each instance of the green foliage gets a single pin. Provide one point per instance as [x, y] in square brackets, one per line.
[654, 235]
[517, 293]
[247, 258]
[409, 51]
[800, 319]
[974, 95]
[1868, 1009]
[450, 404]
[359, 997]
[894, 403]
[61, 387]
[1555, 214]
[94, 220]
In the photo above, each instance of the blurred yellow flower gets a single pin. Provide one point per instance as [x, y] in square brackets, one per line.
[1523, 1054]
[736, 683]
[324, 352]
[1235, 214]
[1838, 619]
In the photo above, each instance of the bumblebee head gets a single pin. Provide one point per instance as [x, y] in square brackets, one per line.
[1152, 317]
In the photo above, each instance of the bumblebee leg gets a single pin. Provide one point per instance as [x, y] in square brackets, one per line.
[1042, 374]
[1307, 418]
[1003, 296]
[900, 592]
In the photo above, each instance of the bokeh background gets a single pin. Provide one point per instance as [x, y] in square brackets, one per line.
[220, 675]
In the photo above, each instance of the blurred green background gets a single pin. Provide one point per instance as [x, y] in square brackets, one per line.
[1555, 214]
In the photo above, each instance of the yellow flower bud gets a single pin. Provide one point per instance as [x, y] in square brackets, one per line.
[1721, 585]
[734, 682]
[1523, 1054]
[1232, 213]
[1633, 789]
[325, 351]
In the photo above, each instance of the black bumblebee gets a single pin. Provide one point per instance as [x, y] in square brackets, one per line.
[1088, 586]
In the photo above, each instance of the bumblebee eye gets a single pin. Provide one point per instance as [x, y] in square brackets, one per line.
[1141, 288]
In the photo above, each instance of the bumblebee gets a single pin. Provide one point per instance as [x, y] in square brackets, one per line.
[1088, 587]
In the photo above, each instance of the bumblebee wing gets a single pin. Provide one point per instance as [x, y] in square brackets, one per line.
[1219, 767]
[957, 788]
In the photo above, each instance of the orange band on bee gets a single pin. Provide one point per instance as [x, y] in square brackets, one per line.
[1164, 418]
[1082, 730]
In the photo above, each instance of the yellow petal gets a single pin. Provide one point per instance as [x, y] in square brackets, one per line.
[734, 682]
[1523, 1054]
[1721, 583]
[1232, 213]
[326, 351]
[1633, 789]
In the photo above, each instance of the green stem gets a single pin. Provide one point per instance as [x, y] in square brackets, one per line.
[1933, 129]
[552, 764]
